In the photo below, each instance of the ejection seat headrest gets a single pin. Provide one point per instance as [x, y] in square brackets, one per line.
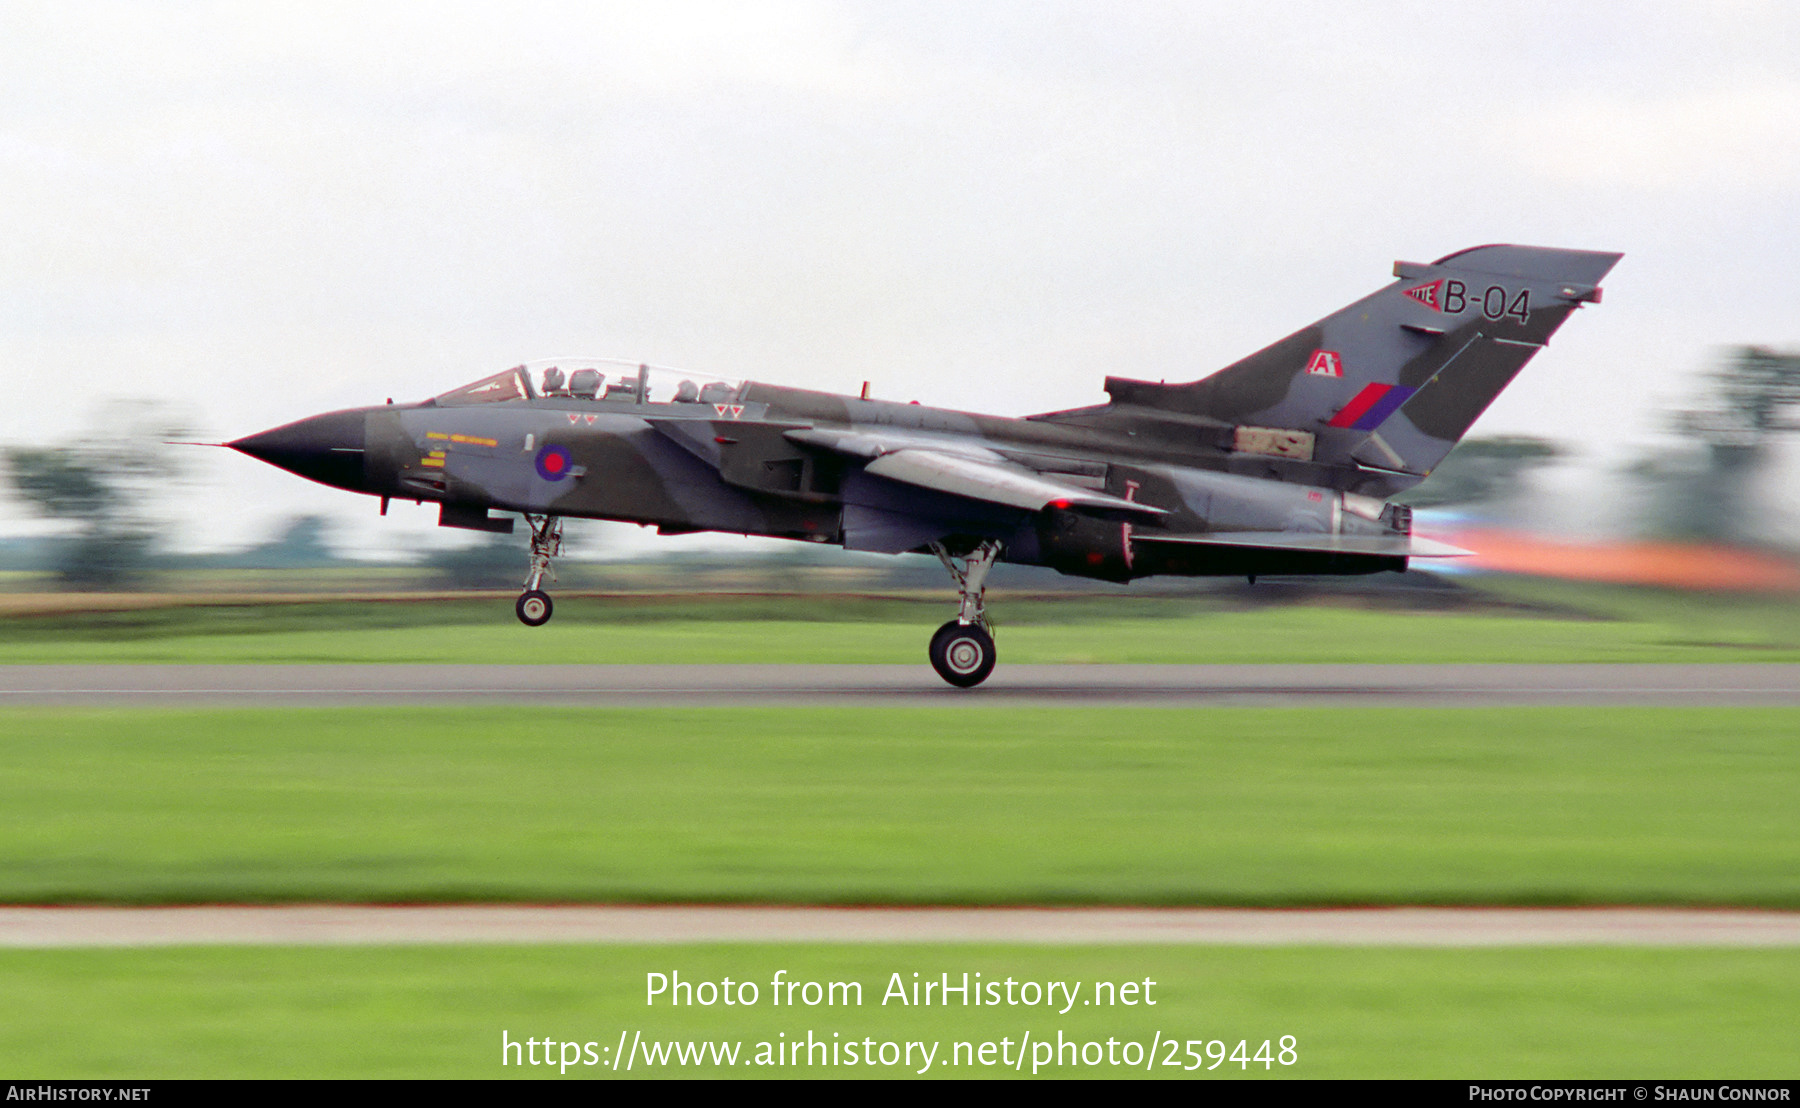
[585, 383]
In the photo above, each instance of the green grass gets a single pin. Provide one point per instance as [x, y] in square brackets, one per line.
[1082, 631]
[1079, 805]
[440, 1011]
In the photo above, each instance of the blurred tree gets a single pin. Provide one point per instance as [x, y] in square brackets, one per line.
[1705, 490]
[490, 562]
[1755, 387]
[1483, 471]
[104, 488]
[300, 543]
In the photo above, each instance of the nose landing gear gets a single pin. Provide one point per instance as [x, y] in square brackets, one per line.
[534, 607]
[962, 651]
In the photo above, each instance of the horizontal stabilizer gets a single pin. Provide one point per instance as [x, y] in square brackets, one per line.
[1396, 546]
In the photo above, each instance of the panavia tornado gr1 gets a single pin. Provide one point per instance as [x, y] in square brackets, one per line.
[1281, 463]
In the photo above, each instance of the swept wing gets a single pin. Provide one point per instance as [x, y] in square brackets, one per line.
[972, 472]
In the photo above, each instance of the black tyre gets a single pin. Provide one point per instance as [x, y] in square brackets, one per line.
[534, 608]
[962, 654]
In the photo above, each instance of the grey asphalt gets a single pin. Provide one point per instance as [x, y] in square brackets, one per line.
[889, 685]
[342, 924]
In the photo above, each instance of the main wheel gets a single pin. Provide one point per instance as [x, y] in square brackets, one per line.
[534, 608]
[962, 654]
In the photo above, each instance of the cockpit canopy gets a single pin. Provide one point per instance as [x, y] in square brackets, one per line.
[501, 387]
[613, 379]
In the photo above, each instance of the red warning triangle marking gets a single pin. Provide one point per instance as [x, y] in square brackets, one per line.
[574, 417]
[737, 410]
[1428, 294]
[720, 408]
[589, 418]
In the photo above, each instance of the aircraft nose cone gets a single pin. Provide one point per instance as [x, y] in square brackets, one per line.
[325, 448]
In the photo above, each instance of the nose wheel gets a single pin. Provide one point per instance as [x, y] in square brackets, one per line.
[962, 651]
[534, 607]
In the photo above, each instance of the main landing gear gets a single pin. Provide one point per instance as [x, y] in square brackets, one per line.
[962, 651]
[534, 605]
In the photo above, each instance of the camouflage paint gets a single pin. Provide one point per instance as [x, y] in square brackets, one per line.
[1380, 391]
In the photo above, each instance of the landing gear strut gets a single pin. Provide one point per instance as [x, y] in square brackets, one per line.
[534, 607]
[962, 651]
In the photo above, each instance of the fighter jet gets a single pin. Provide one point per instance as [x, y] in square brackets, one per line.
[1282, 463]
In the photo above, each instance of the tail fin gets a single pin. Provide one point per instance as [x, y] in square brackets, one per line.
[1391, 382]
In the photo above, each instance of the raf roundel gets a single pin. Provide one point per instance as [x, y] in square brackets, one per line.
[553, 463]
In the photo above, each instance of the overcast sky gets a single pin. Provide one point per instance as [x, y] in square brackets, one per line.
[260, 211]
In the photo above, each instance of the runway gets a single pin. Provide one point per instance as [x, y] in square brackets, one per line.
[890, 685]
[340, 924]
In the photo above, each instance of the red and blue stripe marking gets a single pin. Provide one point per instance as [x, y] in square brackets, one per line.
[1368, 408]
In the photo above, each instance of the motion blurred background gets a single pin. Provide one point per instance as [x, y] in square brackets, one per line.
[222, 219]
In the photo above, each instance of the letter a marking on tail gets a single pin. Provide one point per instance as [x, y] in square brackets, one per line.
[1325, 363]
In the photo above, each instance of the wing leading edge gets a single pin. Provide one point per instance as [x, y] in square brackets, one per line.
[974, 474]
[1000, 484]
